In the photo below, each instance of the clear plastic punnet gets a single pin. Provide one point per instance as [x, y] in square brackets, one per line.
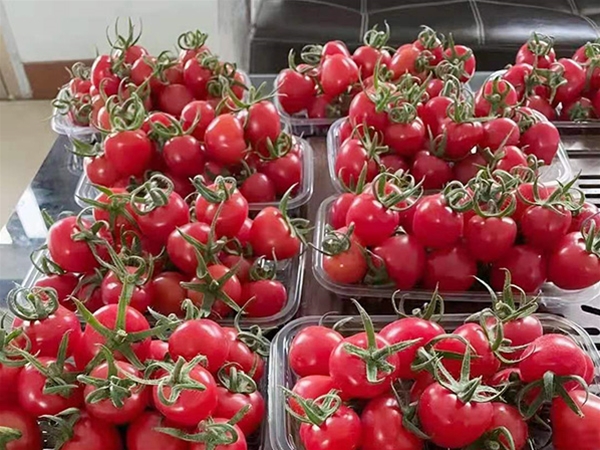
[550, 294]
[284, 430]
[290, 272]
[85, 189]
[558, 171]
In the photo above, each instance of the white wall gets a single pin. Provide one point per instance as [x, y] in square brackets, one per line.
[54, 30]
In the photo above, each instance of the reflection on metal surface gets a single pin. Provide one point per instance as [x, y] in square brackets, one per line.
[30, 215]
[5, 238]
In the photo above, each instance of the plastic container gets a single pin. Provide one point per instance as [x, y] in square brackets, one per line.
[61, 124]
[289, 272]
[584, 124]
[550, 294]
[559, 170]
[284, 429]
[86, 190]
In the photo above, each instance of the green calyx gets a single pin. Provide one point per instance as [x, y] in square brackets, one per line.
[191, 40]
[375, 358]
[316, 411]
[37, 303]
[394, 190]
[151, 195]
[235, 380]
[435, 307]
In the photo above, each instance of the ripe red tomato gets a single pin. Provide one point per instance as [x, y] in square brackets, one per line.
[129, 152]
[543, 227]
[434, 112]
[433, 171]
[89, 433]
[310, 387]
[184, 156]
[200, 337]
[239, 444]
[510, 157]
[32, 397]
[451, 269]
[168, 292]
[90, 342]
[192, 405]
[268, 297]
[394, 251]
[202, 110]
[556, 353]
[102, 76]
[499, 131]
[483, 362]
[232, 212]
[461, 137]
[112, 288]
[494, 97]
[250, 362]
[467, 168]
[526, 265]
[517, 75]
[294, 91]
[363, 111]
[101, 171]
[542, 140]
[349, 372]
[224, 140]
[142, 434]
[196, 78]
[435, 224]
[571, 265]
[284, 172]
[173, 98]
[383, 428]
[258, 188]
[407, 329]
[45, 335]
[489, 239]
[347, 267]
[271, 236]
[405, 60]
[575, 76]
[262, 124]
[572, 431]
[406, 139]
[373, 222]
[17, 419]
[464, 58]
[508, 416]
[350, 161]
[70, 254]
[338, 73]
[159, 223]
[311, 350]
[469, 420]
[341, 431]
[182, 253]
[536, 52]
[542, 105]
[230, 403]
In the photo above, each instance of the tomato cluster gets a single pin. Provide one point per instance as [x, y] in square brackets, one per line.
[565, 89]
[181, 116]
[497, 222]
[331, 82]
[410, 383]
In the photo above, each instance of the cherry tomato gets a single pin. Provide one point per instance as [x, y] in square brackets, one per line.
[230, 403]
[310, 387]
[101, 171]
[294, 91]
[311, 349]
[232, 212]
[556, 353]
[499, 131]
[341, 431]
[434, 112]
[571, 265]
[526, 265]
[517, 76]
[239, 353]
[133, 406]
[268, 297]
[350, 161]
[406, 60]
[509, 417]
[224, 140]
[142, 434]
[231, 287]
[407, 329]
[461, 137]
[102, 76]
[182, 253]
[338, 73]
[258, 188]
[112, 288]
[239, 444]
[363, 111]
[200, 337]
[510, 157]
[192, 406]
[383, 428]
[373, 222]
[467, 168]
[271, 236]
[451, 269]
[450, 422]
[70, 254]
[575, 77]
[489, 239]
[572, 431]
[184, 156]
[435, 224]
[433, 171]
[17, 419]
[284, 172]
[168, 295]
[543, 227]
[32, 397]
[464, 58]
[159, 223]
[536, 53]
[262, 125]
[394, 251]
[542, 140]
[406, 139]
[129, 152]
[199, 110]
[347, 267]
[542, 105]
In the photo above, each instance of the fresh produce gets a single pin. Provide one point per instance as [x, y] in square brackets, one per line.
[564, 89]
[330, 82]
[362, 400]
[391, 233]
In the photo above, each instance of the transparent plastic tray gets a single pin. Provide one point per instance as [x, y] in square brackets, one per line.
[550, 294]
[289, 272]
[283, 430]
[559, 170]
[85, 189]
[585, 124]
